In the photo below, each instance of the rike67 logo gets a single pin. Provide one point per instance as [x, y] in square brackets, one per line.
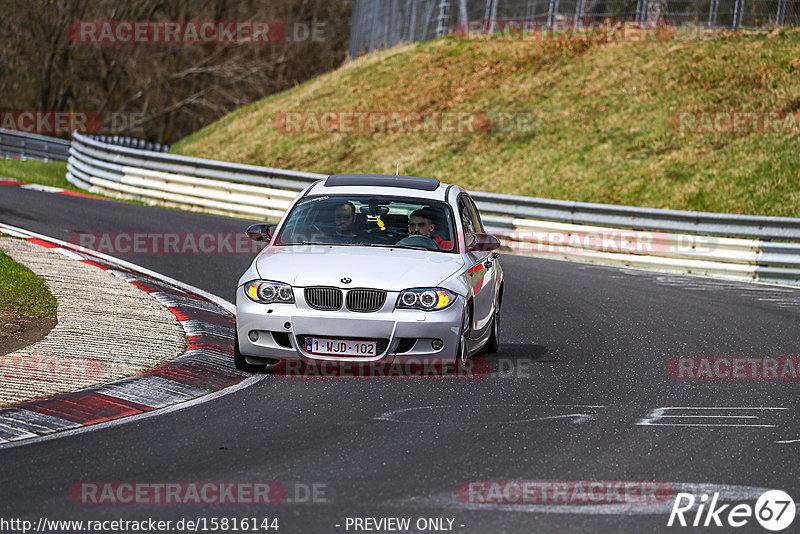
[774, 510]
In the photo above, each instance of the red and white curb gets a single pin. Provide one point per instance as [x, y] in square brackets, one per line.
[47, 189]
[206, 366]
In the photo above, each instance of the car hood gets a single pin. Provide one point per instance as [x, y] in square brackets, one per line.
[374, 267]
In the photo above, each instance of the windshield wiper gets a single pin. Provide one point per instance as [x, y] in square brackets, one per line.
[325, 244]
[415, 247]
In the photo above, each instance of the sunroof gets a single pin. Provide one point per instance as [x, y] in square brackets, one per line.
[382, 180]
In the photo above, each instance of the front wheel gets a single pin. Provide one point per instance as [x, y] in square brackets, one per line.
[463, 341]
[493, 344]
[238, 358]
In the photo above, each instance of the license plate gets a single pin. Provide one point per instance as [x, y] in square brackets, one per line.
[341, 347]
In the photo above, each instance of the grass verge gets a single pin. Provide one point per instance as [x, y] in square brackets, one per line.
[52, 173]
[22, 292]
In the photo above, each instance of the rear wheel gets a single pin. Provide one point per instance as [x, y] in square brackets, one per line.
[238, 358]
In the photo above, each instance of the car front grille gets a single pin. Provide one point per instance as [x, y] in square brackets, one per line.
[323, 298]
[365, 300]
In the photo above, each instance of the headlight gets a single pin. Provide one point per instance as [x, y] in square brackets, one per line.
[266, 292]
[426, 299]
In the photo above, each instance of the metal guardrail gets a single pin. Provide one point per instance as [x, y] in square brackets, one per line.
[205, 168]
[23, 145]
[130, 142]
[716, 244]
[689, 222]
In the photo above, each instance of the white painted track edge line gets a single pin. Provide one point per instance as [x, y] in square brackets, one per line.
[138, 417]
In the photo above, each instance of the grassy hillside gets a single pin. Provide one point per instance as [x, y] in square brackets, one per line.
[604, 128]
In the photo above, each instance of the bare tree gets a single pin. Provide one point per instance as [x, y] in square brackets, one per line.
[169, 90]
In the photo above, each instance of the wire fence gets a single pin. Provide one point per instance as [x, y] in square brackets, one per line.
[378, 24]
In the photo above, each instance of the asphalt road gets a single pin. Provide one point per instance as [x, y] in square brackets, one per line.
[582, 365]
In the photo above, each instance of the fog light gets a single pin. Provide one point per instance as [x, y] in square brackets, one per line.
[437, 344]
[253, 335]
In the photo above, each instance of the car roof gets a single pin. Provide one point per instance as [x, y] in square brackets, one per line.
[381, 180]
[381, 184]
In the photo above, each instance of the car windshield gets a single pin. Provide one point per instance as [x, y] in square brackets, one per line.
[370, 221]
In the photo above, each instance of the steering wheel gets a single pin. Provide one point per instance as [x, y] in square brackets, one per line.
[418, 241]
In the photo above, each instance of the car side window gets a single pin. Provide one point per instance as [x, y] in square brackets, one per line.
[475, 215]
[466, 217]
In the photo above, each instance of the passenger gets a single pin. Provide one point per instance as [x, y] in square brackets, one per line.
[420, 222]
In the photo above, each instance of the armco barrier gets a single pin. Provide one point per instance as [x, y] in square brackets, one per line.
[24, 145]
[130, 142]
[741, 247]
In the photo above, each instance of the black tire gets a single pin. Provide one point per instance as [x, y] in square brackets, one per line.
[493, 344]
[239, 361]
[462, 354]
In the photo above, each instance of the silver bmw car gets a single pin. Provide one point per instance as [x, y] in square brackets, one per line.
[370, 268]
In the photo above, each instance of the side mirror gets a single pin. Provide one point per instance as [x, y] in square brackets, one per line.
[482, 242]
[261, 232]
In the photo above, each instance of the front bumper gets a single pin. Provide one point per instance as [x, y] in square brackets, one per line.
[281, 327]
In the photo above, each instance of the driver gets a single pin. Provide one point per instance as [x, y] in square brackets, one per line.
[420, 222]
[343, 218]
